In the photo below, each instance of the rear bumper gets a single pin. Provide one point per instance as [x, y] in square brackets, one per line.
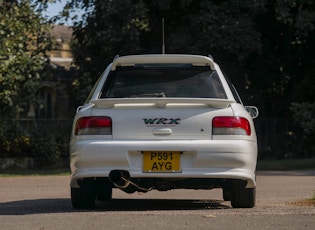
[226, 159]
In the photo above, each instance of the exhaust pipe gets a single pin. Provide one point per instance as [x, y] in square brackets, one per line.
[121, 179]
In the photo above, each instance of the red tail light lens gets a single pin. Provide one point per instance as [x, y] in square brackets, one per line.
[93, 126]
[230, 126]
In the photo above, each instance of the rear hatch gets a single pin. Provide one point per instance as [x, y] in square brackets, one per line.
[162, 97]
[161, 119]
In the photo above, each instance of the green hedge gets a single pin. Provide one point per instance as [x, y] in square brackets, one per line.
[47, 141]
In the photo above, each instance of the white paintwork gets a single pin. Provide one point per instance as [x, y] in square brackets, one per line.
[131, 60]
[204, 155]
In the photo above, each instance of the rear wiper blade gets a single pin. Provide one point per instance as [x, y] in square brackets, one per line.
[149, 95]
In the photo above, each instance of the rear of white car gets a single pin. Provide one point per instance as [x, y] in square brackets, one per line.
[163, 122]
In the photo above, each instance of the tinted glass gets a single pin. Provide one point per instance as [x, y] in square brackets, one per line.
[176, 80]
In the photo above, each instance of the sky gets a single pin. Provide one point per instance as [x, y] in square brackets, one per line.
[55, 8]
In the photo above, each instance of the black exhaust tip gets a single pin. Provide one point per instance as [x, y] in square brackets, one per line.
[119, 178]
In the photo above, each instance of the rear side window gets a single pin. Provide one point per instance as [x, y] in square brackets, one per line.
[234, 91]
[93, 90]
[163, 80]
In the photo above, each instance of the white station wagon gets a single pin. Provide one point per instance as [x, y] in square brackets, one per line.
[162, 122]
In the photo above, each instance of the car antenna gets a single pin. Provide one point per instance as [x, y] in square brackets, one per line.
[163, 40]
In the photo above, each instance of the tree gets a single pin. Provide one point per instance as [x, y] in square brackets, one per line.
[97, 40]
[132, 27]
[265, 47]
[224, 29]
[24, 38]
[284, 72]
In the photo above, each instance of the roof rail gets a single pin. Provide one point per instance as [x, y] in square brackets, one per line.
[116, 56]
[210, 56]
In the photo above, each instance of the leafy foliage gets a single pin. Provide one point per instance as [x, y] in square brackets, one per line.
[44, 140]
[265, 47]
[23, 41]
[132, 27]
[303, 115]
[283, 75]
[98, 39]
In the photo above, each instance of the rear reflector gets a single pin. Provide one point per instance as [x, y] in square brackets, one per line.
[93, 126]
[230, 126]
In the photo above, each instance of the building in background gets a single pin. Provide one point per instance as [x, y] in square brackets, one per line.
[54, 93]
[61, 54]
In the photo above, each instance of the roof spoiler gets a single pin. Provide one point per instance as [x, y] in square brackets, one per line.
[161, 102]
[196, 60]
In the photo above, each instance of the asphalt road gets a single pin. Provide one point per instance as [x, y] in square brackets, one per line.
[43, 202]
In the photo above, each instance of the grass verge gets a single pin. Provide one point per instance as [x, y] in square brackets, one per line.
[286, 165]
[35, 172]
[307, 202]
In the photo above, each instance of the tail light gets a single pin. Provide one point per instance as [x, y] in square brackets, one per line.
[93, 126]
[230, 126]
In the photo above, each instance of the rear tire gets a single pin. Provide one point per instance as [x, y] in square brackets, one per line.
[84, 197]
[103, 189]
[242, 197]
[227, 190]
[226, 194]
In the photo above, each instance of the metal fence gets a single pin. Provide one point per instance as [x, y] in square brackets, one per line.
[39, 128]
[274, 138]
[46, 140]
[280, 138]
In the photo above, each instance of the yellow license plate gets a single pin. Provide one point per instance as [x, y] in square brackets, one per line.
[161, 161]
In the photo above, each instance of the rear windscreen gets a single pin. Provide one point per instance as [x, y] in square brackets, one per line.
[163, 80]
